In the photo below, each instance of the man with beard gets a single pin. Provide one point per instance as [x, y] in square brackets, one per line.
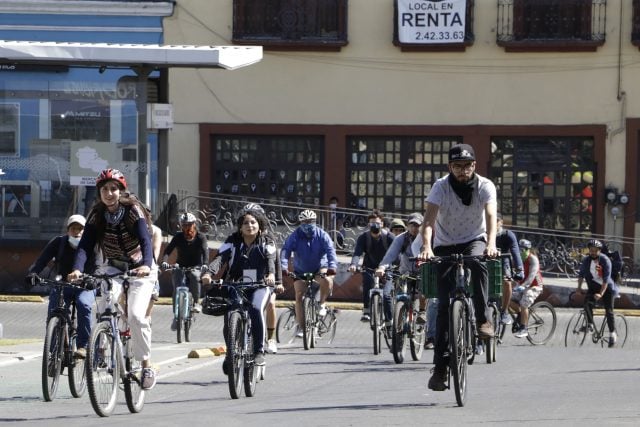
[460, 214]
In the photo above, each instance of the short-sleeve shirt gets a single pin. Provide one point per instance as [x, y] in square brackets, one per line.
[457, 223]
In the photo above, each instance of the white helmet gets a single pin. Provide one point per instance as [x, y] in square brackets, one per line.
[307, 215]
[253, 207]
[187, 218]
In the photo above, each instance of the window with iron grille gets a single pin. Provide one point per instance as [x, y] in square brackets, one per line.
[545, 182]
[394, 174]
[313, 24]
[551, 24]
[635, 23]
[9, 129]
[278, 168]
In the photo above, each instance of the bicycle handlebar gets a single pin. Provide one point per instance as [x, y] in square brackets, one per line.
[59, 282]
[456, 258]
[307, 276]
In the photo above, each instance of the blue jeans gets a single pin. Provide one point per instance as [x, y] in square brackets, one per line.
[84, 303]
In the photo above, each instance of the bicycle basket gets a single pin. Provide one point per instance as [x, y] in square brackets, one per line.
[216, 302]
[429, 279]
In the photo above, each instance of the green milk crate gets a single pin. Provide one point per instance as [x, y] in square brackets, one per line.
[429, 279]
[494, 266]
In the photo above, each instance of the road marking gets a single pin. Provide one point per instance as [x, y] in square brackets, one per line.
[190, 368]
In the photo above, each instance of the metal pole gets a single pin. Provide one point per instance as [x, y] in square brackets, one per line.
[143, 157]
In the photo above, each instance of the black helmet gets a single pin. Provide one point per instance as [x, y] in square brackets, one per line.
[593, 243]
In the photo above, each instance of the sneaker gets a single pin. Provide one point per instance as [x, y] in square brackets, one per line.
[174, 324]
[197, 308]
[225, 366]
[479, 348]
[428, 344]
[148, 378]
[299, 332]
[258, 359]
[486, 330]
[323, 310]
[613, 338]
[80, 353]
[365, 317]
[438, 380]
[506, 318]
[521, 333]
[272, 348]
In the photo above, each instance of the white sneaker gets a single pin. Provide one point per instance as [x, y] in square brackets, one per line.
[272, 348]
[521, 333]
[613, 338]
[298, 332]
[148, 378]
[505, 318]
[323, 310]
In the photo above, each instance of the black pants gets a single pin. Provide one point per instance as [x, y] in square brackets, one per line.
[607, 302]
[446, 285]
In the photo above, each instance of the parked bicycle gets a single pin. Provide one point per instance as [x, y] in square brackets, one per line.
[541, 326]
[313, 325]
[406, 328]
[183, 304]
[60, 344]
[580, 325]
[231, 300]
[110, 359]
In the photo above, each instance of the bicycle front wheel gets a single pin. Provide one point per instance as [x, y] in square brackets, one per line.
[180, 300]
[308, 316]
[52, 357]
[331, 324]
[133, 391]
[377, 321]
[103, 370]
[235, 356]
[458, 330]
[542, 323]
[77, 372]
[250, 368]
[490, 343]
[416, 343]
[577, 329]
[621, 331]
[286, 326]
[398, 344]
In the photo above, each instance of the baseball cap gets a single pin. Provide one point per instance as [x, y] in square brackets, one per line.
[498, 216]
[397, 223]
[415, 218]
[461, 152]
[77, 219]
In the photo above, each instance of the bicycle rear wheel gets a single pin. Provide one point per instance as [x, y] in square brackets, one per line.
[308, 316]
[133, 391]
[542, 323]
[250, 368]
[103, 370]
[398, 343]
[52, 357]
[235, 356]
[286, 326]
[377, 321]
[77, 372]
[577, 329]
[458, 333]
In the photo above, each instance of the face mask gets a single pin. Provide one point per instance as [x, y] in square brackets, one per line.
[333, 205]
[375, 227]
[523, 254]
[74, 241]
[308, 229]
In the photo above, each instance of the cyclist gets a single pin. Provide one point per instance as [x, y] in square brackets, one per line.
[63, 249]
[374, 244]
[397, 226]
[249, 253]
[596, 270]
[461, 215]
[529, 287]
[400, 249]
[314, 253]
[118, 226]
[193, 251]
[506, 241]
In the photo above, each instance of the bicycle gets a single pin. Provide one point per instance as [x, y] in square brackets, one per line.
[286, 326]
[405, 315]
[463, 332]
[315, 326]
[541, 327]
[377, 322]
[230, 299]
[183, 304]
[109, 353]
[60, 344]
[580, 325]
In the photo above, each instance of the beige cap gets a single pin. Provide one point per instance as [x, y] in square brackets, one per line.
[79, 219]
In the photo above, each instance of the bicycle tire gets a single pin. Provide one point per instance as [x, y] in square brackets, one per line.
[133, 392]
[286, 327]
[576, 332]
[103, 369]
[416, 343]
[333, 324]
[398, 344]
[52, 357]
[188, 317]
[490, 344]
[542, 323]
[76, 369]
[250, 368]
[376, 322]
[307, 321]
[236, 358]
[458, 334]
[180, 324]
[621, 331]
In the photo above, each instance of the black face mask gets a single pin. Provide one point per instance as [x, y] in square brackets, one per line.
[464, 190]
[375, 228]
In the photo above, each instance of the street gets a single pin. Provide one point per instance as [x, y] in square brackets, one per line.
[338, 384]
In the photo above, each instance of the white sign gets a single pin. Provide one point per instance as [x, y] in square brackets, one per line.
[159, 116]
[431, 21]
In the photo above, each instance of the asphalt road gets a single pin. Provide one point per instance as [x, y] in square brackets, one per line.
[338, 384]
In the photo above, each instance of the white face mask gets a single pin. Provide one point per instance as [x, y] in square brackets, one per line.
[333, 205]
[74, 241]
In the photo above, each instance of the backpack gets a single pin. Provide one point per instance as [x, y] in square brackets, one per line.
[616, 264]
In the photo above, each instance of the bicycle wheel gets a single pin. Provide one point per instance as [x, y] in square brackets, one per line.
[77, 374]
[52, 357]
[416, 343]
[376, 322]
[542, 323]
[331, 322]
[490, 344]
[103, 370]
[398, 346]
[133, 392]
[181, 304]
[187, 329]
[250, 369]
[458, 330]
[621, 331]
[307, 321]
[577, 329]
[286, 326]
[235, 356]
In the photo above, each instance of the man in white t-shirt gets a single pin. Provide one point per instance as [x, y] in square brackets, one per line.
[460, 216]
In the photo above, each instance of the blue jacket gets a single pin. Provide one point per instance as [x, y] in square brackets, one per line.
[311, 254]
[508, 242]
